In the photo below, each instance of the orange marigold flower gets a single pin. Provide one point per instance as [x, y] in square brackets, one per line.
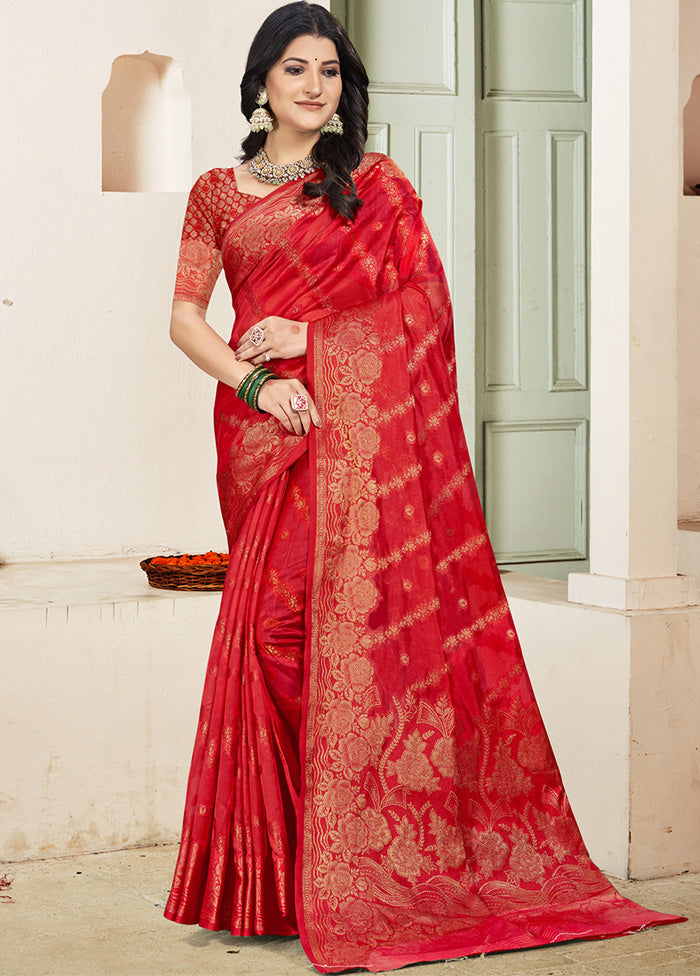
[210, 558]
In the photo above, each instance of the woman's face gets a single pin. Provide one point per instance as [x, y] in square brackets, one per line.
[304, 86]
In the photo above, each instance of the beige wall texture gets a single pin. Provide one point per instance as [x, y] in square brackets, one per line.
[99, 703]
[689, 285]
[107, 441]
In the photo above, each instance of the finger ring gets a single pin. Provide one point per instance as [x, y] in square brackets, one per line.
[267, 357]
[257, 335]
[299, 401]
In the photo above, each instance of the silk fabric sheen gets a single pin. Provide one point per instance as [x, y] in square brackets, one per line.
[430, 817]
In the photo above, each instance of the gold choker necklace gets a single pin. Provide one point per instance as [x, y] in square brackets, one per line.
[265, 171]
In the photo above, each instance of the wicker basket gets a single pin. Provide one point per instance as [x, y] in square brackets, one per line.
[166, 577]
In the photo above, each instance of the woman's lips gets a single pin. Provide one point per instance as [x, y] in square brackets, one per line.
[311, 105]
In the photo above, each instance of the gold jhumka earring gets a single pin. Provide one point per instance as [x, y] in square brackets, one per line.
[261, 120]
[334, 126]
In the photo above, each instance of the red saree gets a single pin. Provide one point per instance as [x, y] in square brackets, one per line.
[420, 815]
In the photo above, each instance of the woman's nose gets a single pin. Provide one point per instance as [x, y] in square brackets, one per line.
[313, 82]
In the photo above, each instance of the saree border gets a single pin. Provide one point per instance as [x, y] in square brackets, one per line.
[317, 528]
[255, 207]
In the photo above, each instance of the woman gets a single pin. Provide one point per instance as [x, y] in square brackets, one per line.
[371, 768]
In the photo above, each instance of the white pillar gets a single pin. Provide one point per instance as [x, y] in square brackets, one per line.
[636, 186]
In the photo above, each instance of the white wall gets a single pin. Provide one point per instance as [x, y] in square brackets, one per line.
[618, 693]
[106, 441]
[99, 704]
[689, 293]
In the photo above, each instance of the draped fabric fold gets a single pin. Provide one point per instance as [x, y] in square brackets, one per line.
[430, 814]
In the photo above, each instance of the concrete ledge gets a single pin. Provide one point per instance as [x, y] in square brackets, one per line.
[102, 678]
[80, 582]
[658, 593]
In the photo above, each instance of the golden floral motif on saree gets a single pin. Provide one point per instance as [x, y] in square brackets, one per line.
[413, 769]
[489, 851]
[282, 589]
[407, 548]
[421, 612]
[438, 417]
[364, 519]
[311, 278]
[412, 473]
[418, 784]
[467, 548]
[450, 489]
[405, 857]
[358, 596]
[366, 367]
[198, 269]
[449, 844]
[300, 502]
[508, 779]
[444, 759]
[422, 349]
[399, 410]
[367, 831]
[524, 862]
[480, 625]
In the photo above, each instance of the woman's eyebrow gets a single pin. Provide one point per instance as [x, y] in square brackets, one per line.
[332, 61]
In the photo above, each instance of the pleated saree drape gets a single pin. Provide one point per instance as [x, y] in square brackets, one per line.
[371, 768]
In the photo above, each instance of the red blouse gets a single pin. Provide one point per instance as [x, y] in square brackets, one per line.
[213, 203]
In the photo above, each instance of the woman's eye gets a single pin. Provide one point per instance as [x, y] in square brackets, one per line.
[293, 70]
[331, 72]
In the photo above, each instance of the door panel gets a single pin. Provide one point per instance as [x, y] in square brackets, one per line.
[528, 463]
[532, 313]
[534, 49]
[422, 115]
[423, 61]
[434, 175]
[501, 250]
[567, 233]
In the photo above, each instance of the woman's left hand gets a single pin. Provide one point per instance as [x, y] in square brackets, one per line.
[283, 339]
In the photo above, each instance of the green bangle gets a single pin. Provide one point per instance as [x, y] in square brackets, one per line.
[246, 381]
[257, 394]
[248, 376]
[254, 388]
[248, 389]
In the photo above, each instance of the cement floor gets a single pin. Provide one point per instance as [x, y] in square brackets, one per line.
[102, 915]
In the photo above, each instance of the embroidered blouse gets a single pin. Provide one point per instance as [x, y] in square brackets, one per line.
[213, 203]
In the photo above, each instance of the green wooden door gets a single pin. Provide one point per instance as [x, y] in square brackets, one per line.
[486, 111]
[422, 103]
[533, 126]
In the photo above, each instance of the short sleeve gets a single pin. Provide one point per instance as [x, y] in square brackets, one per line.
[199, 262]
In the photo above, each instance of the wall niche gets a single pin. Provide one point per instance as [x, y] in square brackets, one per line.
[146, 126]
[691, 141]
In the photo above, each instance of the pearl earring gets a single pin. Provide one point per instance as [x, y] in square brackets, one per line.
[261, 120]
[334, 126]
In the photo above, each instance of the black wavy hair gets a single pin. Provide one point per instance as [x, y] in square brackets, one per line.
[336, 156]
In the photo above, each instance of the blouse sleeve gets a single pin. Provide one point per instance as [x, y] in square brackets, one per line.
[199, 262]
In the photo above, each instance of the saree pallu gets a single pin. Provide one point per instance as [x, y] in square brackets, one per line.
[430, 817]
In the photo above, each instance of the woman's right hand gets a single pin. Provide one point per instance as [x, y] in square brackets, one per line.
[275, 399]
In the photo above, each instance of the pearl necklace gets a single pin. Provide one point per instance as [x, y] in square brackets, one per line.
[265, 171]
